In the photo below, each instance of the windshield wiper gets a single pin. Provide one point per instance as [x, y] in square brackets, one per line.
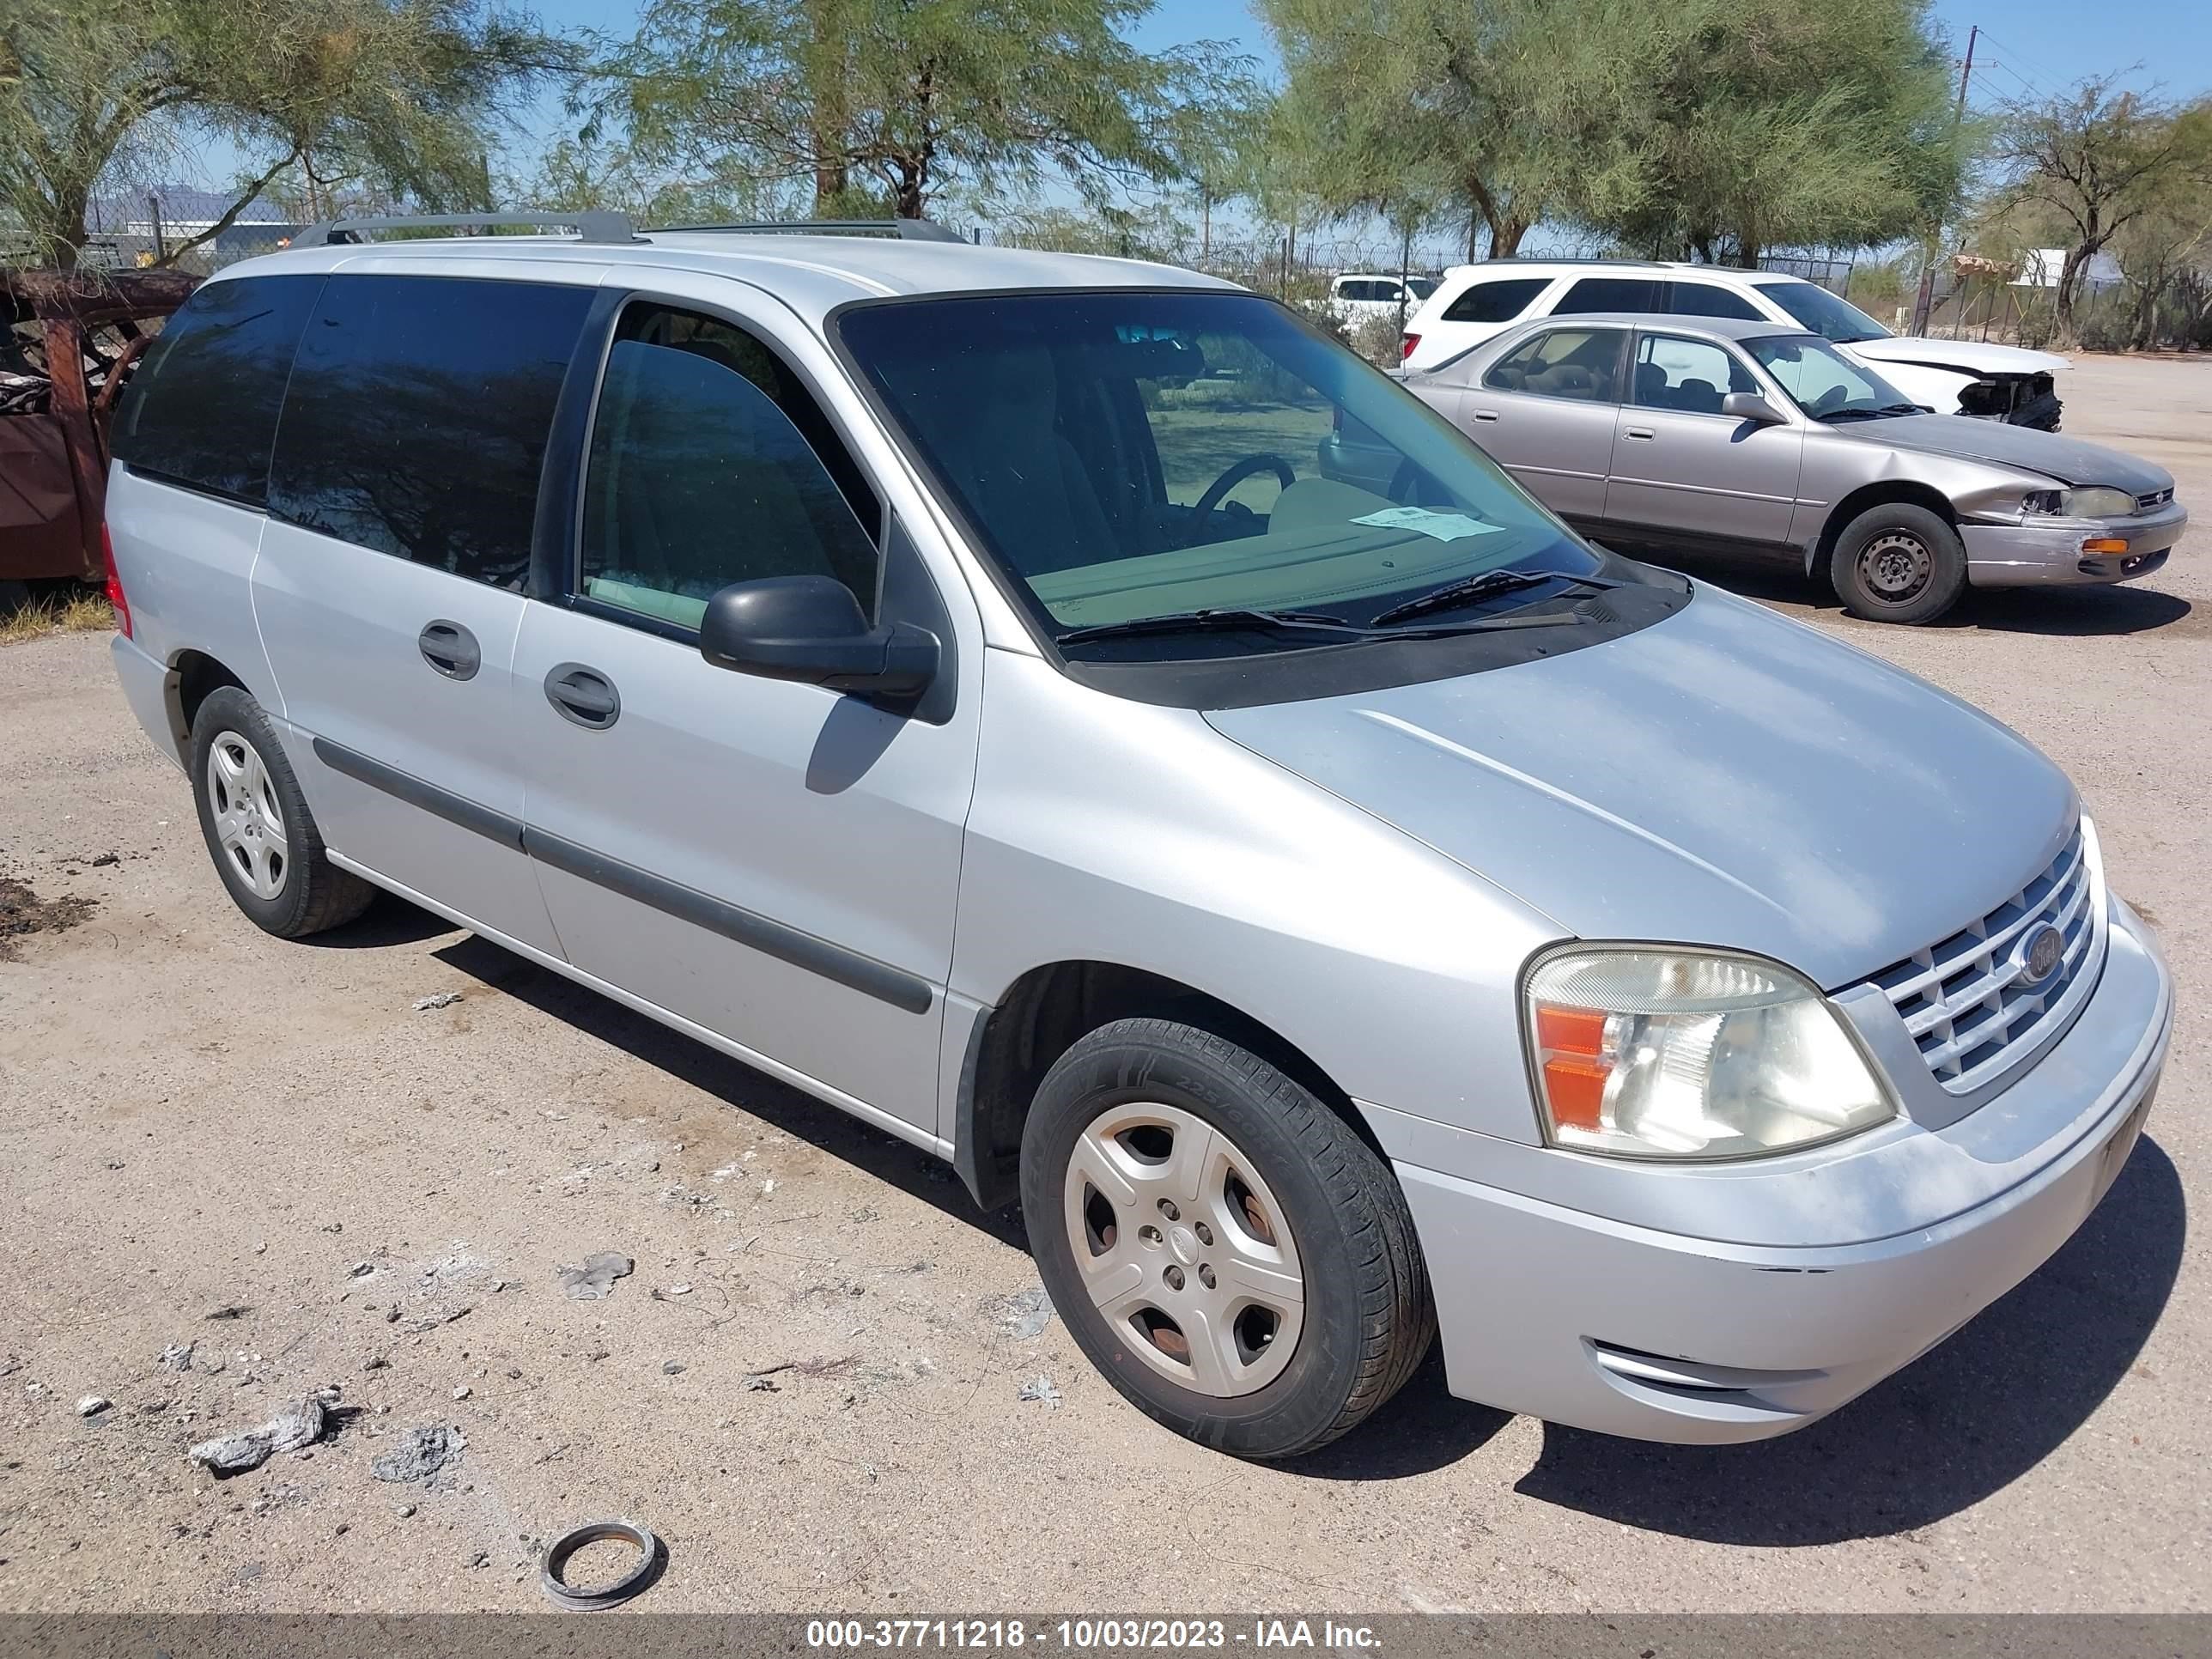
[1196, 622]
[1238, 620]
[1487, 585]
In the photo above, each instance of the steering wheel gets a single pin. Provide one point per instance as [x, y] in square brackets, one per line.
[1237, 472]
[1834, 398]
[1405, 484]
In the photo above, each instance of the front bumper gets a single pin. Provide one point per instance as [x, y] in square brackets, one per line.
[2051, 550]
[1622, 1328]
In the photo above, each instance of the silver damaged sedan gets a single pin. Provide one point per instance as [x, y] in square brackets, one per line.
[1699, 435]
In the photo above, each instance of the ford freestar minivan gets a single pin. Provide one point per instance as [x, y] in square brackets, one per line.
[941, 678]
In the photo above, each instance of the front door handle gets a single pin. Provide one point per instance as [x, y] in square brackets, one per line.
[450, 649]
[583, 696]
[1485, 413]
[1643, 434]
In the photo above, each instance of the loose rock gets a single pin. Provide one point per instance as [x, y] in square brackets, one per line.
[298, 1425]
[93, 1403]
[177, 1357]
[436, 1000]
[596, 1278]
[1041, 1389]
[427, 1449]
[1025, 1314]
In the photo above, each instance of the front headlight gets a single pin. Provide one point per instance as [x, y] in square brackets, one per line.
[1648, 1052]
[2096, 502]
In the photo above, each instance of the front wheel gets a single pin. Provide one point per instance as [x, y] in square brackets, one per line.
[1898, 563]
[1239, 1263]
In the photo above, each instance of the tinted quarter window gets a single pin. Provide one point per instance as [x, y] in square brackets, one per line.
[1634, 294]
[703, 473]
[1710, 299]
[1496, 303]
[418, 414]
[202, 409]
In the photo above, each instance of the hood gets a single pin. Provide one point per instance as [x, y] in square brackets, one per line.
[1724, 777]
[2067, 459]
[1968, 356]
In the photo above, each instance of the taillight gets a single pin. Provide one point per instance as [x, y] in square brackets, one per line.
[1411, 341]
[114, 583]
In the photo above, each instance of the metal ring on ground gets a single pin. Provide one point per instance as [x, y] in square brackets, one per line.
[638, 1578]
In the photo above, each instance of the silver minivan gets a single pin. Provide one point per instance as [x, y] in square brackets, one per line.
[1343, 917]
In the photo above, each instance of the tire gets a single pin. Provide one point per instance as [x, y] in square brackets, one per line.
[1265, 1179]
[257, 825]
[1896, 562]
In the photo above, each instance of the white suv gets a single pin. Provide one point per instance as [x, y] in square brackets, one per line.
[1952, 377]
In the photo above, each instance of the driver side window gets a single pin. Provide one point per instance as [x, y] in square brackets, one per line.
[710, 464]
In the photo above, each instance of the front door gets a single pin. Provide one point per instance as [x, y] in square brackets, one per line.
[1545, 411]
[389, 584]
[1685, 471]
[775, 863]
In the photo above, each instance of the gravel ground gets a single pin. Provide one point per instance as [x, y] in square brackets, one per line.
[264, 1151]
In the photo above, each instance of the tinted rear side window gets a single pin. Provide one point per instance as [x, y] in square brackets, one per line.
[1710, 299]
[202, 409]
[1609, 293]
[418, 416]
[1496, 303]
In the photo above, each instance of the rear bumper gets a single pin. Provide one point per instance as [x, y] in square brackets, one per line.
[1623, 1328]
[145, 682]
[2013, 555]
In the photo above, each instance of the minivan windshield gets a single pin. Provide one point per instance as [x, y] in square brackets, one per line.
[1131, 456]
[1827, 316]
[1827, 385]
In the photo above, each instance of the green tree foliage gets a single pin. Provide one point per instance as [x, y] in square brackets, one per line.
[879, 103]
[396, 91]
[1717, 128]
[2102, 166]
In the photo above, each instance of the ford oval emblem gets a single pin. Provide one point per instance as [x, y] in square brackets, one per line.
[2038, 953]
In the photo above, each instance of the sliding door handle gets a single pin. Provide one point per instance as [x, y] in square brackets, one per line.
[583, 696]
[450, 649]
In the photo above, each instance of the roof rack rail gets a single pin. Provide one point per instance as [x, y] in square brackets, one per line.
[591, 225]
[910, 230]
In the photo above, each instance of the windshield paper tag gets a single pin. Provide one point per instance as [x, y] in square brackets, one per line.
[1439, 526]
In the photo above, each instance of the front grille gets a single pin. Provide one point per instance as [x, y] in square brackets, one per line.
[2157, 498]
[1962, 1001]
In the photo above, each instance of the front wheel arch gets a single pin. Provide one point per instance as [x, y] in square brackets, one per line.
[1050, 1008]
[1874, 494]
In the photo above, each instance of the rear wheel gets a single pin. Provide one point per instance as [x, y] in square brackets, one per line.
[1896, 562]
[257, 825]
[1238, 1262]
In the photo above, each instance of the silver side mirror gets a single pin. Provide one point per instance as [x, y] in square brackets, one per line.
[1752, 406]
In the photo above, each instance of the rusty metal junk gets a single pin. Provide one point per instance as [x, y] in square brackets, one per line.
[68, 340]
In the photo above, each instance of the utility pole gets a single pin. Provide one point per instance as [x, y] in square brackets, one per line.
[154, 210]
[1922, 301]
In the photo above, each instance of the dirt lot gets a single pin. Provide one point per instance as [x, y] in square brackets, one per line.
[267, 1151]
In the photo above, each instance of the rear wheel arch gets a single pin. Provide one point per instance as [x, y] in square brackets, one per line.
[1045, 1012]
[193, 675]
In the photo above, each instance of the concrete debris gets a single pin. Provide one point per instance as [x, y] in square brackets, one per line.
[298, 1425]
[436, 1000]
[1041, 1389]
[596, 1278]
[427, 1449]
[1025, 1314]
[177, 1357]
[463, 1392]
[93, 1403]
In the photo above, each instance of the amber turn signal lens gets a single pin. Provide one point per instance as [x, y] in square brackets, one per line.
[2103, 545]
[1570, 1049]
